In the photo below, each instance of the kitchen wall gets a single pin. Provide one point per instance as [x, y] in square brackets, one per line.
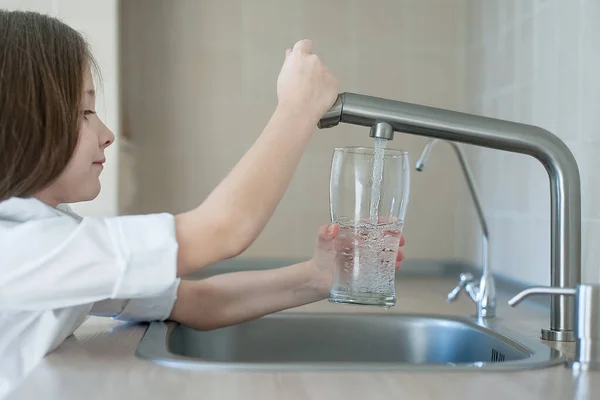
[98, 21]
[534, 62]
[198, 85]
[199, 80]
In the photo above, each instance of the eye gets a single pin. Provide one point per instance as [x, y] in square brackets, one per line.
[87, 113]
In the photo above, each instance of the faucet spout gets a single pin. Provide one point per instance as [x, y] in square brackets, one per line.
[420, 166]
[547, 148]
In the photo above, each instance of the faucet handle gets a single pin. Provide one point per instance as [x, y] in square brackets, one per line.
[334, 115]
[466, 278]
[587, 320]
[541, 290]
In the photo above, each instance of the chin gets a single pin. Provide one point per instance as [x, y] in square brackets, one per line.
[93, 194]
[88, 193]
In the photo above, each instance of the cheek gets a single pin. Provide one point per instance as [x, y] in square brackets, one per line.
[75, 175]
[87, 146]
[79, 161]
[80, 166]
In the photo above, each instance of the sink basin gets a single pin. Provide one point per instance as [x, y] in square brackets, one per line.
[346, 341]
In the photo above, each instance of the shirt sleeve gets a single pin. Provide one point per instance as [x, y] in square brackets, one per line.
[60, 261]
[157, 308]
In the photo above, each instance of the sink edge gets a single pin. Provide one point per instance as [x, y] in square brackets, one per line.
[154, 344]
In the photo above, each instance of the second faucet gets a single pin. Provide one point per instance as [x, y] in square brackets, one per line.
[484, 292]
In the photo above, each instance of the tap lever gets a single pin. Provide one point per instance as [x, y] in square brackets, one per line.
[587, 321]
[540, 290]
[334, 115]
[466, 281]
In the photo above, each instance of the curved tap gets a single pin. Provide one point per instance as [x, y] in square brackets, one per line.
[484, 293]
[547, 148]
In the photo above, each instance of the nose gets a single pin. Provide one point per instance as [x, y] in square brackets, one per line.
[106, 137]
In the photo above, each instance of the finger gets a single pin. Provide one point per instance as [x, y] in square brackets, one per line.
[333, 230]
[402, 240]
[305, 46]
[398, 265]
[328, 232]
[400, 256]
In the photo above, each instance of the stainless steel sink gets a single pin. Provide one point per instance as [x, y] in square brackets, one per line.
[346, 341]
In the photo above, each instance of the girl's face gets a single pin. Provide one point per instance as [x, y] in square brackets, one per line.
[80, 181]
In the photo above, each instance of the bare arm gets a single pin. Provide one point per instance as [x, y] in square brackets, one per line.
[237, 210]
[237, 297]
[235, 213]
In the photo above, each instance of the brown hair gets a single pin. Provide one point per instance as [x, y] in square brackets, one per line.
[42, 64]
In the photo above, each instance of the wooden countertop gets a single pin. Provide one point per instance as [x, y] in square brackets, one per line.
[98, 362]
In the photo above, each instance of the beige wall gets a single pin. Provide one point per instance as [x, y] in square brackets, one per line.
[199, 85]
[537, 63]
[98, 22]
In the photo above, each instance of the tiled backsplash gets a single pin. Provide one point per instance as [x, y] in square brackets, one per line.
[536, 62]
[199, 86]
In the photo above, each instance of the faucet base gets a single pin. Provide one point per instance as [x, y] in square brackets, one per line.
[558, 336]
[486, 314]
[579, 367]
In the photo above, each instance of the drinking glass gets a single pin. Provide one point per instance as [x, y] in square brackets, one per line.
[369, 191]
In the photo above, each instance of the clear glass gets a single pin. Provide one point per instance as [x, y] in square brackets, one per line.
[370, 224]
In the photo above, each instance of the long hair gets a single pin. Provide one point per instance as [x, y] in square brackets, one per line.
[42, 64]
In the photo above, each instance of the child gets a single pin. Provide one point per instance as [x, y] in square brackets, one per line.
[56, 267]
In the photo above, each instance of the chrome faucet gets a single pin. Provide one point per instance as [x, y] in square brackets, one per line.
[587, 324]
[483, 293]
[548, 149]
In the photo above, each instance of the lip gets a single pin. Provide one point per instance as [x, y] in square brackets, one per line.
[100, 162]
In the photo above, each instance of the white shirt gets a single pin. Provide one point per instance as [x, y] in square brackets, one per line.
[56, 268]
